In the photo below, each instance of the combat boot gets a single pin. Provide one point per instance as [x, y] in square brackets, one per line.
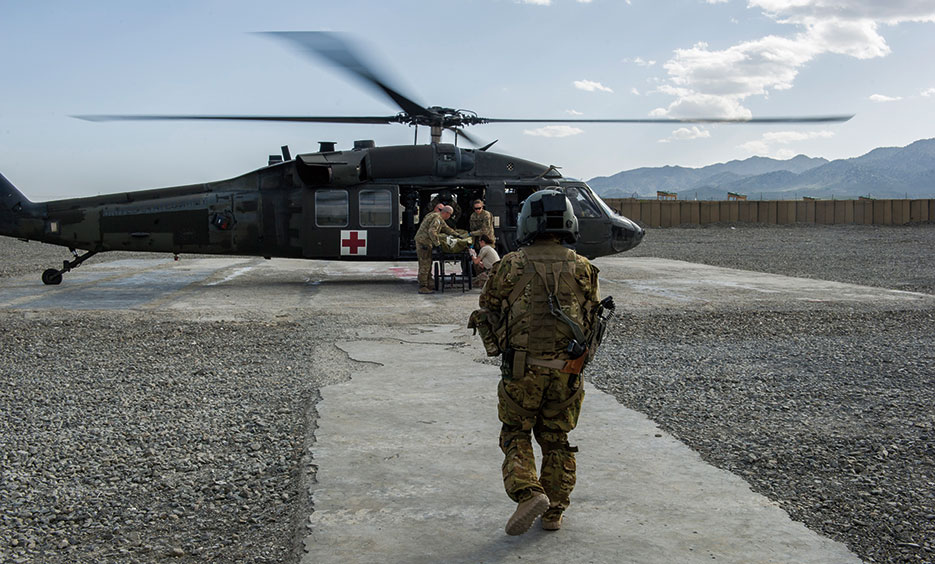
[552, 519]
[526, 513]
[426, 290]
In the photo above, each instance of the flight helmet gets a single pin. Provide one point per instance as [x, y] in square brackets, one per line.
[546, 211]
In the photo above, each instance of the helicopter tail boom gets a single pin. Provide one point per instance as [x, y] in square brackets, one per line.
[14, 206]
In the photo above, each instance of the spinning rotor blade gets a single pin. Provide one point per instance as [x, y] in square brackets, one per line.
[463, 134]
[805, 119]
[332, 48]
[337, 51]
[306, 119]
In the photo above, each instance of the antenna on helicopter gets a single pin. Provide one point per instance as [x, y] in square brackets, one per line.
[488, 145]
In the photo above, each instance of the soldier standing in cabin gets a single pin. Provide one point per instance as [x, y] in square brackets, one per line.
[481, 222]
[426, 238]
[541, 308]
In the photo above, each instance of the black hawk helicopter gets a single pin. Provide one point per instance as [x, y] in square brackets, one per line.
[363, 203]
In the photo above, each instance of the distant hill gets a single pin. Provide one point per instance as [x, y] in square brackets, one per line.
[890, 172]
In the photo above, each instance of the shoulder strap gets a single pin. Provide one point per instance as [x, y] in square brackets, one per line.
[523, 281]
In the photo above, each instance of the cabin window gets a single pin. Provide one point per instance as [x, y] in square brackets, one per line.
[376, 208]
[583, 205]
[331, 208]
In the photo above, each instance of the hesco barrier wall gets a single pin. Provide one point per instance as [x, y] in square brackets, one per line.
[668, 213]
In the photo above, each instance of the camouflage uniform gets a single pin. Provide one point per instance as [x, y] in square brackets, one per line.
[532, 396]
[482, 224]
[448, 200]
[426, 238]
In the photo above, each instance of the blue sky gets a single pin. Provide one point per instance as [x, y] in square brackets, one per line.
[500, 58]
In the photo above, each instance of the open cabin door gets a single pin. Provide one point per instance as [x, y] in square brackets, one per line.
[513, 196]
[351, 223]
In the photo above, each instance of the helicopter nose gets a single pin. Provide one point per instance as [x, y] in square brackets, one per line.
[626, 234]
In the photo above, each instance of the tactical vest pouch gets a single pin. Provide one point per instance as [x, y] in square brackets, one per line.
[481, 321]
[576, 365]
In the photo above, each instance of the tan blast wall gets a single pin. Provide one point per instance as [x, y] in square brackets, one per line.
[670, 213]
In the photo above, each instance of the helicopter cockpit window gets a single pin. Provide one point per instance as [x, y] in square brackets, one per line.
[583, 205]
[331, 208]
[376, 208]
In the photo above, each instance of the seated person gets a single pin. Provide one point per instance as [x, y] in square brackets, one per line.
[484, 260]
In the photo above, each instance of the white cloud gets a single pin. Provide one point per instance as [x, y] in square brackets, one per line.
[694, 104]
[574, 112]
[890, 12]
[537, 2]
[554, 131]
[881, 98]
[640, 61]
[786, 137]
[756, 147]
[718, 81]
[857, 39]
[591, 86]
[928, 92]
[687, 134]
[771, 144]
[634, 91]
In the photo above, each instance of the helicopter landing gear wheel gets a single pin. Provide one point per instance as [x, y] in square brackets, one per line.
[51, 277]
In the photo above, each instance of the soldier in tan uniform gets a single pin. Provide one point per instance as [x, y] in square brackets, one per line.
[544, 299]
[427, 237]
[481, 222]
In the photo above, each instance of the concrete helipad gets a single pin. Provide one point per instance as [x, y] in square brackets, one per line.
[239, 286]
[409, 471]
[406, 457]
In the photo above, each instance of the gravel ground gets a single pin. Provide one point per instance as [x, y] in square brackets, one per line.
[138, 440]
[128, 439]
[899, 257]
[829, 412]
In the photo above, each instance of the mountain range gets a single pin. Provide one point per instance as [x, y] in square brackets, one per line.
[887, 172]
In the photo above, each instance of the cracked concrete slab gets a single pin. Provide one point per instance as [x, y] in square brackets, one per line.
[409, 471]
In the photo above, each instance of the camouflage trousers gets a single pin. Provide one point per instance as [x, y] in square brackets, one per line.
[424, 253]
[547, 403]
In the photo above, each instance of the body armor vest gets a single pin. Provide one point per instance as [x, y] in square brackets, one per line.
[548, 275]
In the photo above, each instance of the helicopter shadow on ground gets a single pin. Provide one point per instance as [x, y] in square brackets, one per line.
[147, 283]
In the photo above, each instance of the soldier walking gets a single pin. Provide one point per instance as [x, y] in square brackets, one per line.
[544, 299]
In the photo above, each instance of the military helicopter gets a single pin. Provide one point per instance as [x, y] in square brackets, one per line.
[362, 203]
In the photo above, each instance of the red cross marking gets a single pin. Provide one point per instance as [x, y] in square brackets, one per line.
[354, 243]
